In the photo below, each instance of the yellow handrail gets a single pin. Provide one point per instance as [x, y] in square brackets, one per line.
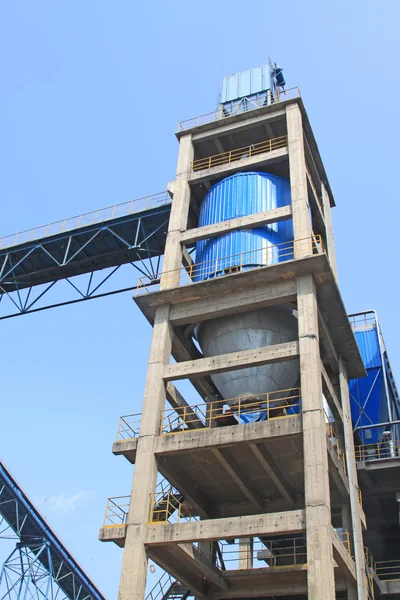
[378, 451]
[271, 405]
[116, 513]
[238, 153]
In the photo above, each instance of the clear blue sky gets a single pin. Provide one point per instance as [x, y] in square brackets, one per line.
[91, 93]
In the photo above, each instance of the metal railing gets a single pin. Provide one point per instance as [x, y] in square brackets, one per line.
[345, 538]
[128, 427]
[227, 265]
[271, 405]
[85, 219]
[169, 507]
[116, 511]
[388, 570]
[259, 553]
[224, 111]
[378, 451]
[239, 153]
[167, 587]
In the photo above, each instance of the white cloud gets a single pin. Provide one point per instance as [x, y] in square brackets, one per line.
[65, 504]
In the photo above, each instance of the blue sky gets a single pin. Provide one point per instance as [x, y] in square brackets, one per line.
[91, 94]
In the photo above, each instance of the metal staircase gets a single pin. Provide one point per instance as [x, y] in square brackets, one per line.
[167, 588]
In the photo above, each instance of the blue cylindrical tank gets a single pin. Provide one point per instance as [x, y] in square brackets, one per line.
[237, 196]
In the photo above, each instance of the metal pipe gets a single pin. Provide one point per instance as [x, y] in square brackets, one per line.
[377, 425]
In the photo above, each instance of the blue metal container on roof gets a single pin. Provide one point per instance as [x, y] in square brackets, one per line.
[246, 83]
[237, 196]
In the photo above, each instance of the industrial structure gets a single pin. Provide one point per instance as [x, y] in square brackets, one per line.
[278, 476]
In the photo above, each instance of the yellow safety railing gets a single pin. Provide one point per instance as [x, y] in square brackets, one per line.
[250, 104]
[378, 451]
[233, 155]
[271, 405]
[128, 427]
[345, 538]
[85, 219]
[370, 562]
[388, 570]
[168, 507]
[116, 511]
[275, 553]
[267, 255]
[331, 432]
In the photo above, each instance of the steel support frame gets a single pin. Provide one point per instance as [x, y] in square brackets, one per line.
[25, 298]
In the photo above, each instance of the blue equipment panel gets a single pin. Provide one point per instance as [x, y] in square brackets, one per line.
[237, 196]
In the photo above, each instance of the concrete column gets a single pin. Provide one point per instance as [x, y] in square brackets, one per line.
[134, 565]
[328, 229]
[353, 484]
[320, 573]
[179, 215]
[245, 553]
[298, 182]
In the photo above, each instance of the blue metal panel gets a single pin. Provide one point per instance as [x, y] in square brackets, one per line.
[237, 196]
[368, 343]
[368, 395]
[246, 83]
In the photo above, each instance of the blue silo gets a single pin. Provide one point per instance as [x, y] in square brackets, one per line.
[240, 195]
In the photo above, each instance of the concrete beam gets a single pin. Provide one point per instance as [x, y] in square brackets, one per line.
[191, 493]
[342, 556]
[183, 349]
[244, 164]
[256, 220]
[270, 466]
[241, 122]
[190, 441]
[327, 341]
[233, 302]
[287, 522]
[210, 572]
[232, 361]
[330, 395]
[178, 402]
[168, 564]
[336, 470]
[237, 475]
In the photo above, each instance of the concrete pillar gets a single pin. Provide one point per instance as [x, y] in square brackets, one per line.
[134, 565]
[179, 215]
[320, 574]
[330, 245]
[245, 553]
[298, 182]
[353, 484]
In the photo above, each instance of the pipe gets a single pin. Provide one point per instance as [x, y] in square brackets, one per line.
[377, 425]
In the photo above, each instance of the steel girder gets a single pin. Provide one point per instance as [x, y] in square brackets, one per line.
[40, 566]
[88, 260]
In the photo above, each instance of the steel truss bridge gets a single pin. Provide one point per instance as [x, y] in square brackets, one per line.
[39, 566]
[83, 257]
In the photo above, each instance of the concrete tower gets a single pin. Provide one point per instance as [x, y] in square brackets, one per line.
[229, 506]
